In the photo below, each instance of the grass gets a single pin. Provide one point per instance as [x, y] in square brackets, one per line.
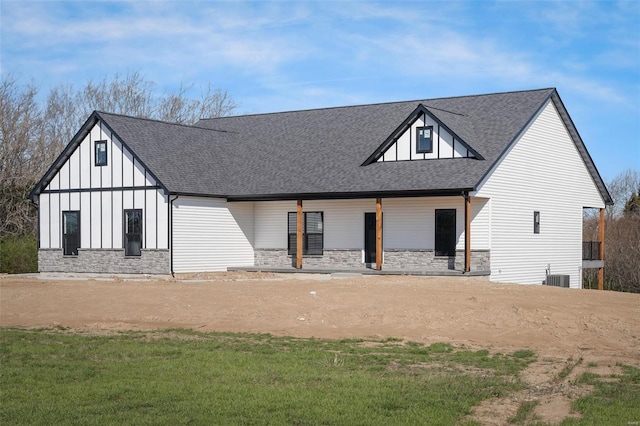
[56, 376]
[52, 376]
[569, 368]
[612, 402]
[525, 412]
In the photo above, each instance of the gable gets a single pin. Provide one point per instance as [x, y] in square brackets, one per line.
[405, 145]
[78, 170]
[544, 166]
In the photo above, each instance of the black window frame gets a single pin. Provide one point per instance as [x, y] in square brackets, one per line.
[442, 246]
[312, 240]
[104, 160]
[420, 150]
[70, 245]
[536, 222]
[129, 249]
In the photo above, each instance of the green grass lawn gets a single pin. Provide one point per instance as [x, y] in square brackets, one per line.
[183, 377]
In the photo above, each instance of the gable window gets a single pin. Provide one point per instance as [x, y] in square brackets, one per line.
[70, 233]
[132, 232]
[312, 233]
[445, 244]
[424, 139]
[536, 222]
[101, 153]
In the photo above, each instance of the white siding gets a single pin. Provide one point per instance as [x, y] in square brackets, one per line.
[101, 212]
[408, 222]
[443, 144]
[44, 218]
[543, 172]
[343, 221]
[210, 234]
[270, 224]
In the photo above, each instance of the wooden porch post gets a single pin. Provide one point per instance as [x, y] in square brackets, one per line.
[299, 236]
[378, 233]
[601, 237]
[467, 232]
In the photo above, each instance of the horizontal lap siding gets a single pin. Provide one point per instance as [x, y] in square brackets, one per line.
[408, 222]
[210, 234]
[542, 172]
[343, 221]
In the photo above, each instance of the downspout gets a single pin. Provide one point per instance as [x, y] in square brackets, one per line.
[37, 204]
[170, 225]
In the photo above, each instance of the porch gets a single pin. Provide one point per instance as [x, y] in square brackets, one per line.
[363, 271]
[592, 255]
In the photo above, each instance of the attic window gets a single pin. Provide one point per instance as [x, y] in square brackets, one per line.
[101, 153]
[424, 139]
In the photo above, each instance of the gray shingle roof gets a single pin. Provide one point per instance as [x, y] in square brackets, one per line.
[319, 153]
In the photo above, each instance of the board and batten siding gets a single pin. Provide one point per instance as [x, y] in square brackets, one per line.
[444, 144]
[101, 194]
[542, 171]
[408, 222]
[211, 234]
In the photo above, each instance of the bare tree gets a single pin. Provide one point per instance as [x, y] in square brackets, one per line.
[33, 135]
[22, 149]
[622, 233]
[178, 108]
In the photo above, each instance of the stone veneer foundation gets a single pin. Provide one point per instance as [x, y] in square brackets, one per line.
[393, 259]
[110, 261]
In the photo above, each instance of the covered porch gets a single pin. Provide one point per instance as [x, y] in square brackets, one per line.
[419, 235]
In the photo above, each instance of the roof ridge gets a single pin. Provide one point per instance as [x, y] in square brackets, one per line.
[378, 103]
[154, 120]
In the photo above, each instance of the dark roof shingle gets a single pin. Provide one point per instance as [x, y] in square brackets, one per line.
[320, 153]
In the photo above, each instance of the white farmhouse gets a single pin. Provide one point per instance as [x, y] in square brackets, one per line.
[489, 185]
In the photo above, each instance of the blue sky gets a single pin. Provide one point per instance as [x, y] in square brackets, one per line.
[285, 55]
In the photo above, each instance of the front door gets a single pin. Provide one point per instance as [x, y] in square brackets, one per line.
[369, 238]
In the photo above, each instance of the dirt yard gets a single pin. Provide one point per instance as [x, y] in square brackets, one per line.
[582, 329]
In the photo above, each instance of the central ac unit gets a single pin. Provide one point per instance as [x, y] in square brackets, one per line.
[558, 280]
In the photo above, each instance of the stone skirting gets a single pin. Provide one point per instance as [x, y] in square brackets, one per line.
[393, 259]
[109, 261]
[426, 259]
[331, 258]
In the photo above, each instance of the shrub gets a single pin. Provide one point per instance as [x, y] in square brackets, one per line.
[19, 255]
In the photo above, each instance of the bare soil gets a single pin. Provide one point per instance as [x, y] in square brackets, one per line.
[580, 330]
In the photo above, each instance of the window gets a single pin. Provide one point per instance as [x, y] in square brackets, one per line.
[424, 138]
[101, 153]
[70, 233]
[536, 222]
[312, 233]
[132, 232]
[445, 232]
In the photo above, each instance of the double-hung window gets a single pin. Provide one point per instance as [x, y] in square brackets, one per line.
[101, 153]
[132, 232]
[312, 233]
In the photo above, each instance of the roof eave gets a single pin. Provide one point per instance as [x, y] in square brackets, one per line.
[350, 195]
